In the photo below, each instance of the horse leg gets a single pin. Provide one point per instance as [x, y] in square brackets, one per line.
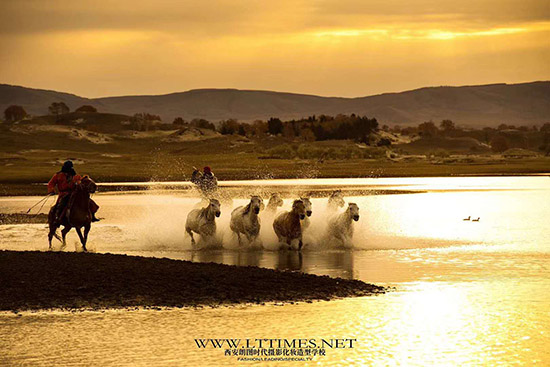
[64, 232]
[87, 227]
[300, 244]
[239, 237]
[82, 239]
[50, 237]
[250, 239]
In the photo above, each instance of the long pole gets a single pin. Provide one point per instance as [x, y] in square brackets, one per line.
[44, 198]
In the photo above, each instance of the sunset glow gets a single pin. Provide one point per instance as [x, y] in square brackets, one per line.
[344, 48]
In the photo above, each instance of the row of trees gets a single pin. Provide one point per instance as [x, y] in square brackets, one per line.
[448, 128]
[500, 139]
[16, 113]
[309, 129]
[323, 127]
[200, 123]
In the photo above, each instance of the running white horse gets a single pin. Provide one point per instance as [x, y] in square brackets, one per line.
[340, 227]
[274, 202]
[335, 201]
[203, 221]
[287, 225]
[245, 219]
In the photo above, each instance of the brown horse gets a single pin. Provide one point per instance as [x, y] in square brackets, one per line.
[77, 214]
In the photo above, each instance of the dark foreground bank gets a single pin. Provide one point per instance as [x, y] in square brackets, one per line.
[21, 218]
[42, 280]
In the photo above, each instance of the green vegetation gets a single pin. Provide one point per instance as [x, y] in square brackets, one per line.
[321, 153]
[112, 147]
[86, 109]
[313, 128]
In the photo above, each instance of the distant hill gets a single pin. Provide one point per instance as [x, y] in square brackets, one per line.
[483, 105]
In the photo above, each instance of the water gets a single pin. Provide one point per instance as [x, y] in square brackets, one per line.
[466, 293]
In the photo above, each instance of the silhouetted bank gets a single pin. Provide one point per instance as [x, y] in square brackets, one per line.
[21, 218]
[44, 280]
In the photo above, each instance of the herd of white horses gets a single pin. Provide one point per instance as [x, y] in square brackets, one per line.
[289, 226]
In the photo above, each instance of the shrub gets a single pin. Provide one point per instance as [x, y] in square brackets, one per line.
[14, 113]
[284, 151]
[86, 109]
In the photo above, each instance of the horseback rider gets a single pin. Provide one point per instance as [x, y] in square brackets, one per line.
[65, 181]
[205, 181]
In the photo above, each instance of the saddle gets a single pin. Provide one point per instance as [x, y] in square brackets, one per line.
[66, 210]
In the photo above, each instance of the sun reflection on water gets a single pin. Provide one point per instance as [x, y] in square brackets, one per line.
[466, 293]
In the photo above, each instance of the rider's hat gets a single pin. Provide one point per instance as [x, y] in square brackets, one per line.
[67, 167]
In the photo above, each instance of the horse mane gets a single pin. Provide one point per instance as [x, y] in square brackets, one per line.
[204, 211]
[247, 209]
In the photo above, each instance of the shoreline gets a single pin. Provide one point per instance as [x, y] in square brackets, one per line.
[34, 280]
[24, 187]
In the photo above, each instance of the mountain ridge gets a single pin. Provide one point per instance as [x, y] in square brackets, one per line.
[475, 105]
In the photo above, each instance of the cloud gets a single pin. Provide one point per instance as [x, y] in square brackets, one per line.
[200, 18]
[329, 47]
[217, 18]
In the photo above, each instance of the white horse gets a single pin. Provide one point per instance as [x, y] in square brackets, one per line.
[203, 221]
[340, 227]
[335, 201]
[274, 202]
[245, 219]
[287, 225]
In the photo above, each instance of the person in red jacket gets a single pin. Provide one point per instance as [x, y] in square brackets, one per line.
[65, 181]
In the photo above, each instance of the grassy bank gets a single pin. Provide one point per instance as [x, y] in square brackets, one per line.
[31, 154]
[43, 280]
[40, 166]
[23, 179]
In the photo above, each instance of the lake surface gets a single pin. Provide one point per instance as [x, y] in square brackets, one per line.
[466, 293]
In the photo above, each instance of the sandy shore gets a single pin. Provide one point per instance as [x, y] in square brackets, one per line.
[32, 280]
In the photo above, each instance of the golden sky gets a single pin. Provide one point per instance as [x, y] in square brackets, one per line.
[327, 47]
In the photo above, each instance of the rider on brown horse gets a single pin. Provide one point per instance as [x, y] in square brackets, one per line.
[65, 181]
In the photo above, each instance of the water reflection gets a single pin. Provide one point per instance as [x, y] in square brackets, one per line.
[333, 263]
[466, 293]
[290, 260]
[481, 323]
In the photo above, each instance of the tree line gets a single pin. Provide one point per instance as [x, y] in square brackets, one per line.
[15, 113]
[323, 127]
[500, 139]
[312, 128]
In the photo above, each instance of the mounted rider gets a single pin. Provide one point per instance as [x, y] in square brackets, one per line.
[65, 181]
[205, 181]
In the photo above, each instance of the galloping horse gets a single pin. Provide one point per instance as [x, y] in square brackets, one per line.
[203, 221]
[245, 220]
[77, 214]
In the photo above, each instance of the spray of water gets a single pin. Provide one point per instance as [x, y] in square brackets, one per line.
[160, 225]
[154, 221]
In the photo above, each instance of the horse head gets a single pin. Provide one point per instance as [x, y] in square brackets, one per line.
[87, 185]
[353, 211]
[299, 208]
[214, 207]
[307, 204]
[256, 204]
[337, 199]
[275, 200]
